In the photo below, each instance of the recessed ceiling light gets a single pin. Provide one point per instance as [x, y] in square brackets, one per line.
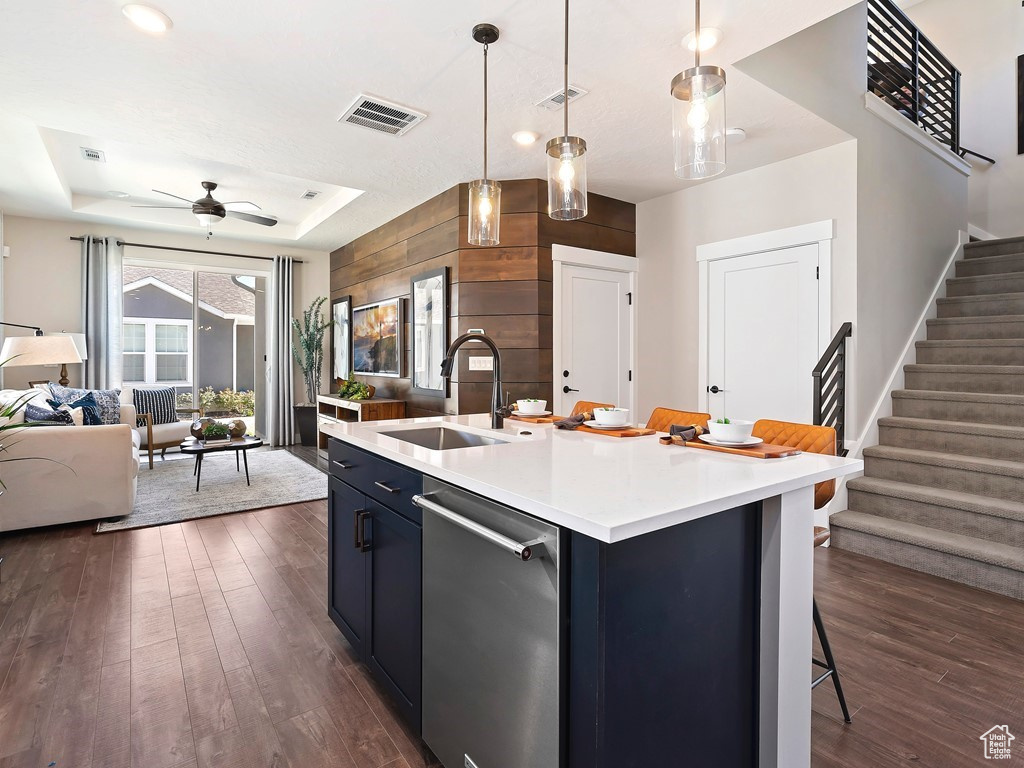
[709, 38]
[117, 193]
[735, 135]
[526, 138]
[147, 19]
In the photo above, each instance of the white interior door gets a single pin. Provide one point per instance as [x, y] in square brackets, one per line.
[763, 335]
[596, 338]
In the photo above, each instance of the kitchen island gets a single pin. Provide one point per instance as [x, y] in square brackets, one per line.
[652, 605]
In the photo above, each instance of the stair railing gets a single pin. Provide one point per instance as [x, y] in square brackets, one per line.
[911, 75]
[830, 387]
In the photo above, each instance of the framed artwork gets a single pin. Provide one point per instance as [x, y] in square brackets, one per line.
[377, 338]
[341, 338]
[429, 296]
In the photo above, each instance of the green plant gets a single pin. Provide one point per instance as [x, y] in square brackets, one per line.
[309, 349]
[7, 412]
[353, 390]
[215, 431]
[228, 402]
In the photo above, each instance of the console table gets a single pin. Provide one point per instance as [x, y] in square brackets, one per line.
[331, 409]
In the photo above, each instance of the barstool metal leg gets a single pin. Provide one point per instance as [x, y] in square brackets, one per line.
[829, 663]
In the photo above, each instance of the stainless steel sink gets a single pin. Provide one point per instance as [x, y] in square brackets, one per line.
[442, 438]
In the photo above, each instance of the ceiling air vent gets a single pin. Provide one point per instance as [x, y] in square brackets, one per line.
[95, 155]
[309, 194]
[557, 99]
[379, 115]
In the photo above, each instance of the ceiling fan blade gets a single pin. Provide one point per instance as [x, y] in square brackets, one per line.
[171, 207]
[251, 217]
[176, 197]
[242, 202]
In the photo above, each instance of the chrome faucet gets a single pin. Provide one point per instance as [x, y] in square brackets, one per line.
[498, 412]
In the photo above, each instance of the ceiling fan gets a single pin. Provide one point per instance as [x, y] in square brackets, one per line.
[210, 211]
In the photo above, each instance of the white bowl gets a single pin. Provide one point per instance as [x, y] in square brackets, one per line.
[526, 407]
[611, 417]
[736, 430]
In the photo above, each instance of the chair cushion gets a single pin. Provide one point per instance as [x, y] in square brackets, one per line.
[809, 438]
[583, 405]
[107, 400]
[663, 418]
[168, 433]
[159, 401]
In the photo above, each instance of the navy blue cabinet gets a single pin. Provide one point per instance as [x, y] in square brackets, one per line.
[374, 569]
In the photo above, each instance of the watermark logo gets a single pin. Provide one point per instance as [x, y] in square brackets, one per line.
[997, 742]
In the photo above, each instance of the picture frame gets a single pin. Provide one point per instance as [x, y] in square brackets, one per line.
[428, 321]
[377, 344]
[341, 338]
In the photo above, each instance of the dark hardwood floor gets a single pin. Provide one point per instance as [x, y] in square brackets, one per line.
[207, 643]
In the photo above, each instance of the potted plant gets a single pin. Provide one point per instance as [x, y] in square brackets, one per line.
[308, 350]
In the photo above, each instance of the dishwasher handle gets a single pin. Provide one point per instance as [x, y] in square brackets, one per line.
[521, 550]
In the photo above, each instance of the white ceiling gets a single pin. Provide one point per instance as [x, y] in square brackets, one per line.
[248, 92]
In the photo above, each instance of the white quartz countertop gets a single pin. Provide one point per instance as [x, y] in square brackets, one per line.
[604, 487]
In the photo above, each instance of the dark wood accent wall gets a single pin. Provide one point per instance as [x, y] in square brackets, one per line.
[506, 290]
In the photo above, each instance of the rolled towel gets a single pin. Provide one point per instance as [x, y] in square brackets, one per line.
[574, 421]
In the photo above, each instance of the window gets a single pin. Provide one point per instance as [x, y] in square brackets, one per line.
[157, 350]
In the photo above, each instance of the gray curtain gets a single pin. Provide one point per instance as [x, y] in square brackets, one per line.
[102, 293]
[282, 380]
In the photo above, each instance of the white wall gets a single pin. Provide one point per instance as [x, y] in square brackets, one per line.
[813, 187]
[983, 42]
[43, 277]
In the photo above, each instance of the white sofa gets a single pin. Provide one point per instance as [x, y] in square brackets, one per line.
[77, 473]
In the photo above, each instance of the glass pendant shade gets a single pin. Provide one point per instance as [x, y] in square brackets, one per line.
[484, 212]
[207, 220]
[567, 178]
[698, 122]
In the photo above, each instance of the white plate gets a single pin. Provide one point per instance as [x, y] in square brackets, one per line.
[731, 443]
[522, 415]
[595, 425]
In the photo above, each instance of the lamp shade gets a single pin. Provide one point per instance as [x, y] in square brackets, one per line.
[698, 122]
[78, 339]
[39, 350]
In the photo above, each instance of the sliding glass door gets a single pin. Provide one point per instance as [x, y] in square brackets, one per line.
[202, 331]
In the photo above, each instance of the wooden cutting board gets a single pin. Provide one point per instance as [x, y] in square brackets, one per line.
[536, 419]
[762, 451]
[627, 432]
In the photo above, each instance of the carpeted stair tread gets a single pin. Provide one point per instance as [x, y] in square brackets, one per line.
[981, 297]
[1003, 467]
[988, 398]
[954, 544]
[990, 265]
[954, 427]
[938, 497]
[947, 343]
[1001, 247]
[1003, 370]
[984, 285]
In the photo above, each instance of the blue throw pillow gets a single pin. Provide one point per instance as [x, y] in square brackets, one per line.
[36, 414]
[106, 400]
[90, 410]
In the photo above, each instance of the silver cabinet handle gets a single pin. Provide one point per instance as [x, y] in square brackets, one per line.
[386, 487]
[522, 551]
[342, 464]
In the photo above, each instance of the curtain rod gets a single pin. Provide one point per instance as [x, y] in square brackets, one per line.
[190, 250]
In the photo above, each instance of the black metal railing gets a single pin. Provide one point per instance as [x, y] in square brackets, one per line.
[830, 387]
[911, 75]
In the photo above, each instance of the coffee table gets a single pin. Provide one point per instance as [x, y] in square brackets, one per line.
[240, 445]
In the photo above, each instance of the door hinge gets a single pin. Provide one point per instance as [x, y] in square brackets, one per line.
[631, 375]
[817, 273]
[629, 295]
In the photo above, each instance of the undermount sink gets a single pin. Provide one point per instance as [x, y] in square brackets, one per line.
[443, 438]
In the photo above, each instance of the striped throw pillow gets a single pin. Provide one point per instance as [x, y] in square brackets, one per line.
[159, 401]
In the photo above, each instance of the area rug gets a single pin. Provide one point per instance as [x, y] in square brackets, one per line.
[167, 493]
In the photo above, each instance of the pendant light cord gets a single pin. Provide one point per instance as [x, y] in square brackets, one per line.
[485, 111]
[565, 93]
[696, 34]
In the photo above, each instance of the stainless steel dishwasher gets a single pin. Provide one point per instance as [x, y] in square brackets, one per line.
[490, 632]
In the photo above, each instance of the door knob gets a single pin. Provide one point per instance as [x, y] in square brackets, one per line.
[567, 390]
[714, 390]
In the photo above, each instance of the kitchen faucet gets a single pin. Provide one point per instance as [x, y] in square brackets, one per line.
[498, 411]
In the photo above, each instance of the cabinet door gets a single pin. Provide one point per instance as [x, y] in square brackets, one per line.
[395, 603]
[347, 563]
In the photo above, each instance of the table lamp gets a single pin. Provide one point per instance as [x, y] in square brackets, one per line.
[41, 350]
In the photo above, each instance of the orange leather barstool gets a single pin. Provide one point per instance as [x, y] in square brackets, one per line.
[663, 418]
[811, 438]
[584, 405]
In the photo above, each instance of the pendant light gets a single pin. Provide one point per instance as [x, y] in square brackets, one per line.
[484, 194]
[698, 117]
[567, 160]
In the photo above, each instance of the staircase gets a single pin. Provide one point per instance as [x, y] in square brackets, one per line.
[944, 491]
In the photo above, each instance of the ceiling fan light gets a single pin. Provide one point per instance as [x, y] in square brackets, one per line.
[208, 219]
[147, 19]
